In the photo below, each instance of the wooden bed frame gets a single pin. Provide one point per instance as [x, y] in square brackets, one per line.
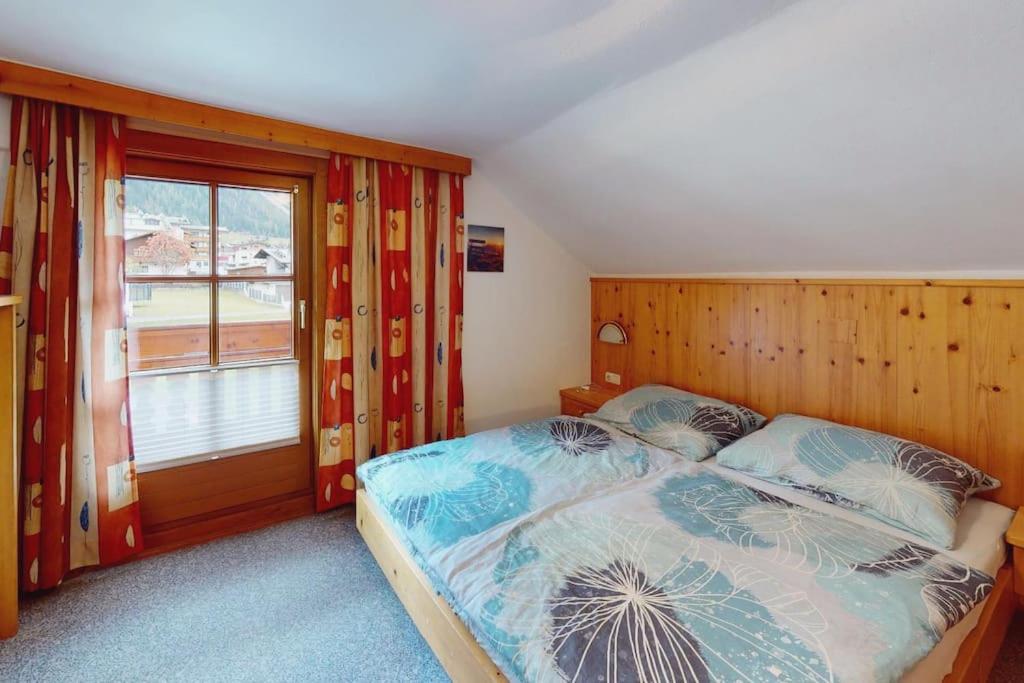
[464, 659]
[455, 647]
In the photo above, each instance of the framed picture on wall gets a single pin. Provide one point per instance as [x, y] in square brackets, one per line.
[486, 253]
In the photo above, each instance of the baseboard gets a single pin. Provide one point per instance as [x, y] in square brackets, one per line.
[182, 533]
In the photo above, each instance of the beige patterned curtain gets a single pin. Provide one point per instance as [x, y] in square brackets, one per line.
[393, 333]
[62, 249]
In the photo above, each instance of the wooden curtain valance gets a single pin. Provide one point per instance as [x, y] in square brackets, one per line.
[30, 81]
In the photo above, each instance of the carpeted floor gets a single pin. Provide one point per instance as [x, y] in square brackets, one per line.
[1009, 667]
[302, 600]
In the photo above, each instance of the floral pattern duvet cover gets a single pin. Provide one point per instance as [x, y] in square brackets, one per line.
[441, 493]
[669, 573]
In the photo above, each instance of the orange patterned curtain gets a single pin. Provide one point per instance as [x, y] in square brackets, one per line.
[393, 333]
[62, 250]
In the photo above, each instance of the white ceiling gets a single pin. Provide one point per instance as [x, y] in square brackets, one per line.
[646, 135]
[457, 75]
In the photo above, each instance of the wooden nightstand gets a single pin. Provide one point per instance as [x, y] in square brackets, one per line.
[577, 401]
[1015, 537]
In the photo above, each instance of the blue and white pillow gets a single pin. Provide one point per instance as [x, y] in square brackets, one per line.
[692, 425]
[901, 483]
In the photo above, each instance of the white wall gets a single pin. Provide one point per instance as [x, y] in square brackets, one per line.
[526, 331]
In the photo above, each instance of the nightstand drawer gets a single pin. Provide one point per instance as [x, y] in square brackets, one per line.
[575, 408]
[578, 401]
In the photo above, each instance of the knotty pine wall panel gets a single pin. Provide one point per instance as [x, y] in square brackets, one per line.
[936, 362]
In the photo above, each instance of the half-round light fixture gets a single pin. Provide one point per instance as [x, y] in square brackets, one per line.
[611, 333]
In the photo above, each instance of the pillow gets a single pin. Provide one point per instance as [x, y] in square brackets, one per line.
[902, 483]
[692, 425]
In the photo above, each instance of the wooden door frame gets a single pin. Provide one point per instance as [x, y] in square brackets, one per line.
[259, 504]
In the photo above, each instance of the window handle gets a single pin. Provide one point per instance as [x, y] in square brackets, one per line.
[302, 314]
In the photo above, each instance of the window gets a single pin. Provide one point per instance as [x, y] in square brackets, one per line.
[214, 312]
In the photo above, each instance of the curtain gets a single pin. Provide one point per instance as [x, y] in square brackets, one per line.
[393, 329]
[62, 250]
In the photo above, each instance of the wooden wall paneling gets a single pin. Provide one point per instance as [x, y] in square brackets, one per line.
[760, 341]
[644, 318]
[702, 337]
[874, 282]
[661, 315]
[798, 325]
[30, 81]
[936, 362]
[922, 370]
[606, 304]
[1015, 409]
[962, 356]
[874, 383]
[843, 365]
[673, 311]
[996, 410]
[814, 355]
[698, 338]
[712, 339]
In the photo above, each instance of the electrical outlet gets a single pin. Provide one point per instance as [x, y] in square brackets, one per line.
[612, 378]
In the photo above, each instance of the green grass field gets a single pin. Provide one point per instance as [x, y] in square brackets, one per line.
[191, 306]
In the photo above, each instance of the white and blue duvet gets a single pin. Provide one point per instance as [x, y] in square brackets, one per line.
[442, 493]
[575, 553]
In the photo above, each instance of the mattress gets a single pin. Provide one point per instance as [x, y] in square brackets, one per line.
[979, 544]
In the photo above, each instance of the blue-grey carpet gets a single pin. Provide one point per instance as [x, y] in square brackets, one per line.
[300, 601]
[303, 600]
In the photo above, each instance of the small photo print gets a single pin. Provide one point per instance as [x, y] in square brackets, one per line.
[486, 252]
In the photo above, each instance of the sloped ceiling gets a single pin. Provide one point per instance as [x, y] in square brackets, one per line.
[648, 136]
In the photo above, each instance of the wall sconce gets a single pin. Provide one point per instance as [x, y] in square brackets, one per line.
[611, 333]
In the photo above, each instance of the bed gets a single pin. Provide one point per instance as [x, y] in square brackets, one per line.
[459, 578]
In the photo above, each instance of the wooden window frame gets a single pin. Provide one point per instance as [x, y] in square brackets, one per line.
[215, 178]
[195, 502]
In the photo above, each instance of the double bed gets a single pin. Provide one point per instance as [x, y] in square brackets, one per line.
[566, 549]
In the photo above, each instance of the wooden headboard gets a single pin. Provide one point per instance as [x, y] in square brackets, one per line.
[933, 361]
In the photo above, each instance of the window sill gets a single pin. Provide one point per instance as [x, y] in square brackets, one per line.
[156, 465]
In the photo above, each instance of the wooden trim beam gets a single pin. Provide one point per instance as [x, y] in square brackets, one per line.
[44, 84]
[834, 281]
